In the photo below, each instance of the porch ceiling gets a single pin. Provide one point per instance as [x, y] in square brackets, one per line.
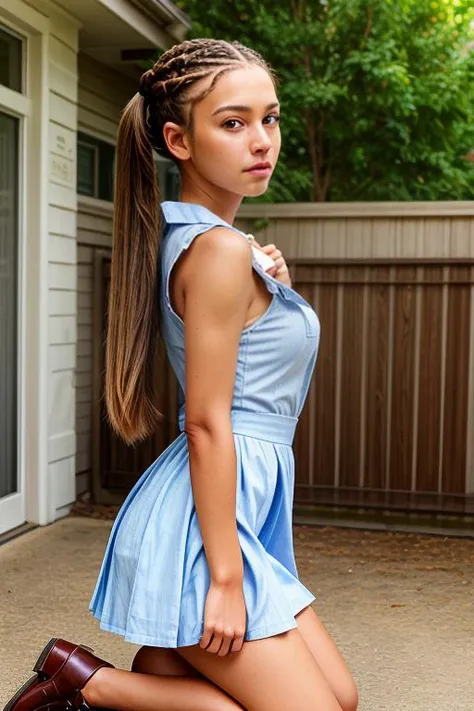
[108, 27]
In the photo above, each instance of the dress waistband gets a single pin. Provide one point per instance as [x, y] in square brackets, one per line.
[279, 429]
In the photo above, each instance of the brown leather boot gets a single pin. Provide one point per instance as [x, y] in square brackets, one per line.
[62, 670]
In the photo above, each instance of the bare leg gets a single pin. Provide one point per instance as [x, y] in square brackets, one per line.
[274, 674]
[131, 691]
[162, 662]
[154, 660]
[329, 658]
[167, 662]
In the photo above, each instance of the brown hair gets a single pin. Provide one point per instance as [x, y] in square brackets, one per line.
[133, 315]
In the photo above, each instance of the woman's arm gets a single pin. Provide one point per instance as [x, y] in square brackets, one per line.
[216, 282]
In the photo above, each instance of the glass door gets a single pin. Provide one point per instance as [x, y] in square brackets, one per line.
[9, 479]
[12, 505]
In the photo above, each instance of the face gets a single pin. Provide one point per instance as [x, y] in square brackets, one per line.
[235, 128]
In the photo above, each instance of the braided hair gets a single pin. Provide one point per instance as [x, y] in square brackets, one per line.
[166, 93]
[166, 86]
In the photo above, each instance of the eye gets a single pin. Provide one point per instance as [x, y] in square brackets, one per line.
[274, 116]
[226, 123]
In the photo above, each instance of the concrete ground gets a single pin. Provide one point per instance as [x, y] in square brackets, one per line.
[400, 607]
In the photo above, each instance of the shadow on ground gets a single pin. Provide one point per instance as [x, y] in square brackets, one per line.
[400, 607]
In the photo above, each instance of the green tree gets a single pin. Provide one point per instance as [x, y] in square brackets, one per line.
[377, 95]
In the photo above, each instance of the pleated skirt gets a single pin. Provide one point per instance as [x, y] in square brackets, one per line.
[154, 577]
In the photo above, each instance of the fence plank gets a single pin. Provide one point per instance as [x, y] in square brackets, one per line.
[456, 391]
[377, 390]
[401, 441]
[429, 398]
[324, 459]
[351, 386]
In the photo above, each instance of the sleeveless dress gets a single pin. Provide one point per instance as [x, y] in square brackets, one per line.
[154, 577]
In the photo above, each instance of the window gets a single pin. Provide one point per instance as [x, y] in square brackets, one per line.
[168, 179]
[95, 167]
[95, 170]
[9, 182]
[11, 51]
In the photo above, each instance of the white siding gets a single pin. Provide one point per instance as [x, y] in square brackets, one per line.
[62, 257]
[102, 95]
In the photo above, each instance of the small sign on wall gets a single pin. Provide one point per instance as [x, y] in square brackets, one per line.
[62, 141]
[62, 170]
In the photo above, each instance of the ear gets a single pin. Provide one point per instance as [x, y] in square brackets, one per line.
[176, 140]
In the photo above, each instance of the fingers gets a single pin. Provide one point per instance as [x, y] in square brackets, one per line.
[254, 241]
[238, 643]
[206, 637]
[226, 644]
[221, 643]
[269, 249]
[272, 251]
[216, 643]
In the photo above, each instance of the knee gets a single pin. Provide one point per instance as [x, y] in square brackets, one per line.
[348, 697]
[153, 660]
[161, 661]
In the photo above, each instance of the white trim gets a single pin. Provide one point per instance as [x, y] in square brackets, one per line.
[21, 312]
[46, 503]
[23, 17]
[13, 102]
[18, 105]
[138, 21]
[461, 208]
[12, 508]
[39, 501]
[53, 8]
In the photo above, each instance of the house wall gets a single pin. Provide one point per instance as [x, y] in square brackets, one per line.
[102, 95]
[47, 249]
[62, 259]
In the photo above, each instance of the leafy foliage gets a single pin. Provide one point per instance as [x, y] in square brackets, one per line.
[377, 95]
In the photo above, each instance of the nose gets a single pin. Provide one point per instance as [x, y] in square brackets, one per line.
[261, 141]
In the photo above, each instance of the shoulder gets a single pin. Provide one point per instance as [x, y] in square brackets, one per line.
[218, 246]
[222, 241]
[218, 258]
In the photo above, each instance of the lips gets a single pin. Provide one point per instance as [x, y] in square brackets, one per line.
[259, 166]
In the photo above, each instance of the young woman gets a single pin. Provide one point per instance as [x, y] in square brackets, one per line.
[199, 567]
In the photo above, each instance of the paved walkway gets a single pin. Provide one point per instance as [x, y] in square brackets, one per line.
[400, 607]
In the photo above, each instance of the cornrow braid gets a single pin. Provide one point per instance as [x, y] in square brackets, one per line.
[133, 322]
[166, 85]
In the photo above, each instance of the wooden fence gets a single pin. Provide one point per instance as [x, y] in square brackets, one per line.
[389, 419]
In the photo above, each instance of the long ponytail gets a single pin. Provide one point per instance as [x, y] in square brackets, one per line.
[133, 315]
[132, 328]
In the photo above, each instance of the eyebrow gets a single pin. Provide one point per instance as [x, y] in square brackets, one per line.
[243, 108]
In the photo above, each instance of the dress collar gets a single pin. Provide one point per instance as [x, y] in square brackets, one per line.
[181, 213]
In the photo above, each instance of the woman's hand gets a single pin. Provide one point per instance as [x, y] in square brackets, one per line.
[280, 270]
[224, 619]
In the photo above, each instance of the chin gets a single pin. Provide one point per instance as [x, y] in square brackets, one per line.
[256, 190]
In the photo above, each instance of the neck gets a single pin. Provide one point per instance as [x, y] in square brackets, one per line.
[221, 203]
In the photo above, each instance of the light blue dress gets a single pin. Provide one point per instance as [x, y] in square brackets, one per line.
[154, 577]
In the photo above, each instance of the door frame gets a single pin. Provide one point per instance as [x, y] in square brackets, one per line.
[30, 502]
